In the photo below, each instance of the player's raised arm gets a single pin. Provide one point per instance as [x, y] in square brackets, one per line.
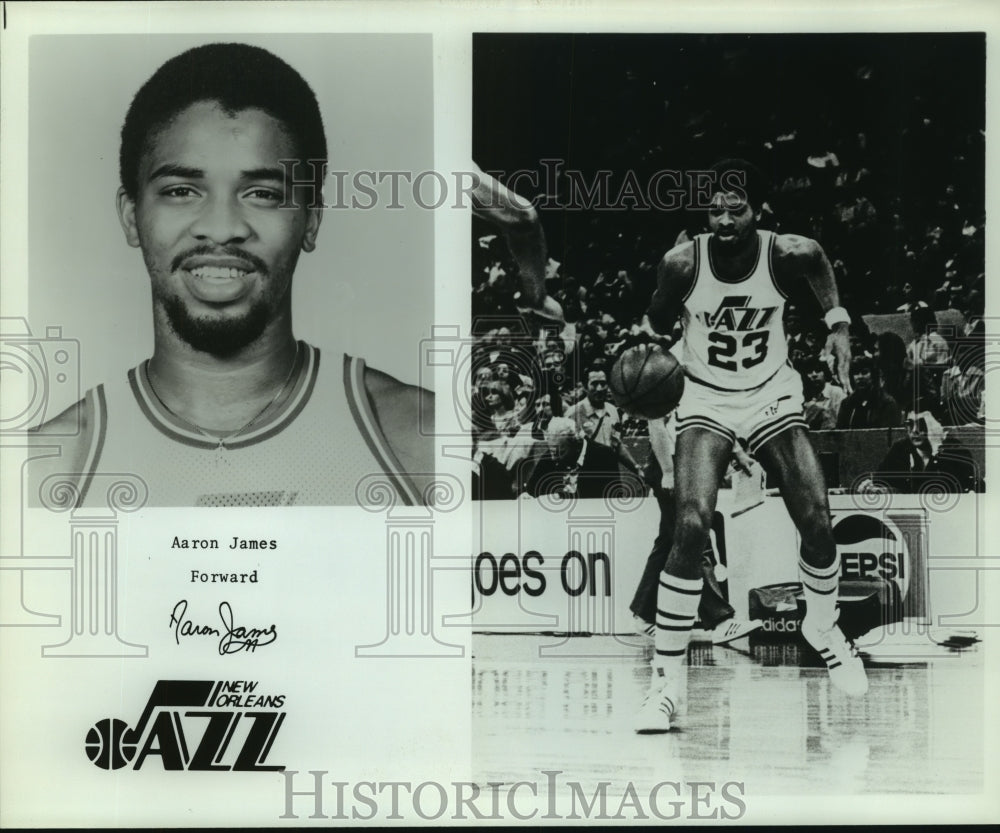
[674, 279]
[517, 220]
[798, 257]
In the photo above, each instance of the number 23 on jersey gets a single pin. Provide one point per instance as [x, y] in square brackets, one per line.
[737, 351]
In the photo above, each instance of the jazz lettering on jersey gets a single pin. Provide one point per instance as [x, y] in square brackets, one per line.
[735, 313]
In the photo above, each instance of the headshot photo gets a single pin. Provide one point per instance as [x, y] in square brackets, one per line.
[221, 228]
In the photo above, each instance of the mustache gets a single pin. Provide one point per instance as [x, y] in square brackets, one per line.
[226, 251]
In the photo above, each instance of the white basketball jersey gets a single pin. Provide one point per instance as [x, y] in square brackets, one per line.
[734, 338]
[314, 451]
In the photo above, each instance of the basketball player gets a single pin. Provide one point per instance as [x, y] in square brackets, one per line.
[729, 288]
[231, 409]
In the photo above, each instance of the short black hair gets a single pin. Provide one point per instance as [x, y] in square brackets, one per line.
[924, 402]
[812, 363]
[237, 76]
[740, 175]
[862, 362]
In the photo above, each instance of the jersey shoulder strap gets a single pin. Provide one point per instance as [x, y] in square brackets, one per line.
[360, 403]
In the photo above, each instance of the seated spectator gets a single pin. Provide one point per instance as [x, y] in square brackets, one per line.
[500, 402]
[868, 406]
[528, 446]
[501, 447]
[926, 384]
[524, 404]
[546, 407]
[822, 399]
[572, 395]
[599, 419]
[589, 348]
[554, 360]
[927, 458]
[911, 299]
[797, 355]
[928, 347]
[491, 479]
[814, 340]
[578, 467]
[963, 384]
[481, 412]
[890, 358]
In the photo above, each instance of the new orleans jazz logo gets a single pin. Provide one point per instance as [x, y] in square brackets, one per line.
[198, 725]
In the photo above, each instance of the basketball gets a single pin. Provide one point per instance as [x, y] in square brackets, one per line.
[647, 381]
[108, 744]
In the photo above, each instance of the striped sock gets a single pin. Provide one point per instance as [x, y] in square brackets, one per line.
[819, 587]
[676, 608]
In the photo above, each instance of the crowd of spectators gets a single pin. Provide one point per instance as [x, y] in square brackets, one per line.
[908, 255]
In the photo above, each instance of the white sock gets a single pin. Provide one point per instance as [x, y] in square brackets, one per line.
[819, 587]
[677, 602]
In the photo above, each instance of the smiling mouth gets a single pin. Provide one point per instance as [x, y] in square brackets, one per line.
[218, 284]
[218, 273]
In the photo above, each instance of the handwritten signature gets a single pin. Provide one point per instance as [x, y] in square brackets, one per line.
[232, 638]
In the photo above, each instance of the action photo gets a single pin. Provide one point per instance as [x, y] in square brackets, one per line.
[730, 458]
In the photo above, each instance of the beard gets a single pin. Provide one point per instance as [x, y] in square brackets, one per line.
[221, 337]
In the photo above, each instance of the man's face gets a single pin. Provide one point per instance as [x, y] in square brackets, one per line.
[597, 388]
[219, 250]
[916, 430]
[815, 381]
[730, 219]
[861, 378]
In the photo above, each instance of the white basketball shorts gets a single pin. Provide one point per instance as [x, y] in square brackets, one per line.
[756, 415]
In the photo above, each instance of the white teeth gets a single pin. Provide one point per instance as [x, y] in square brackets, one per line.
[217, 273]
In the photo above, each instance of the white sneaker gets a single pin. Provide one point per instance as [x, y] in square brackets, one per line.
[645, 629]
[657, 709]
[847, 672]
[734, 629]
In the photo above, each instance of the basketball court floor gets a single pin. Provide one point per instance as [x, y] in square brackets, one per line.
[753, 714]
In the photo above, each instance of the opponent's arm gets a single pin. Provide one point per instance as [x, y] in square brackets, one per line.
[799, 257]
[517, 220]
